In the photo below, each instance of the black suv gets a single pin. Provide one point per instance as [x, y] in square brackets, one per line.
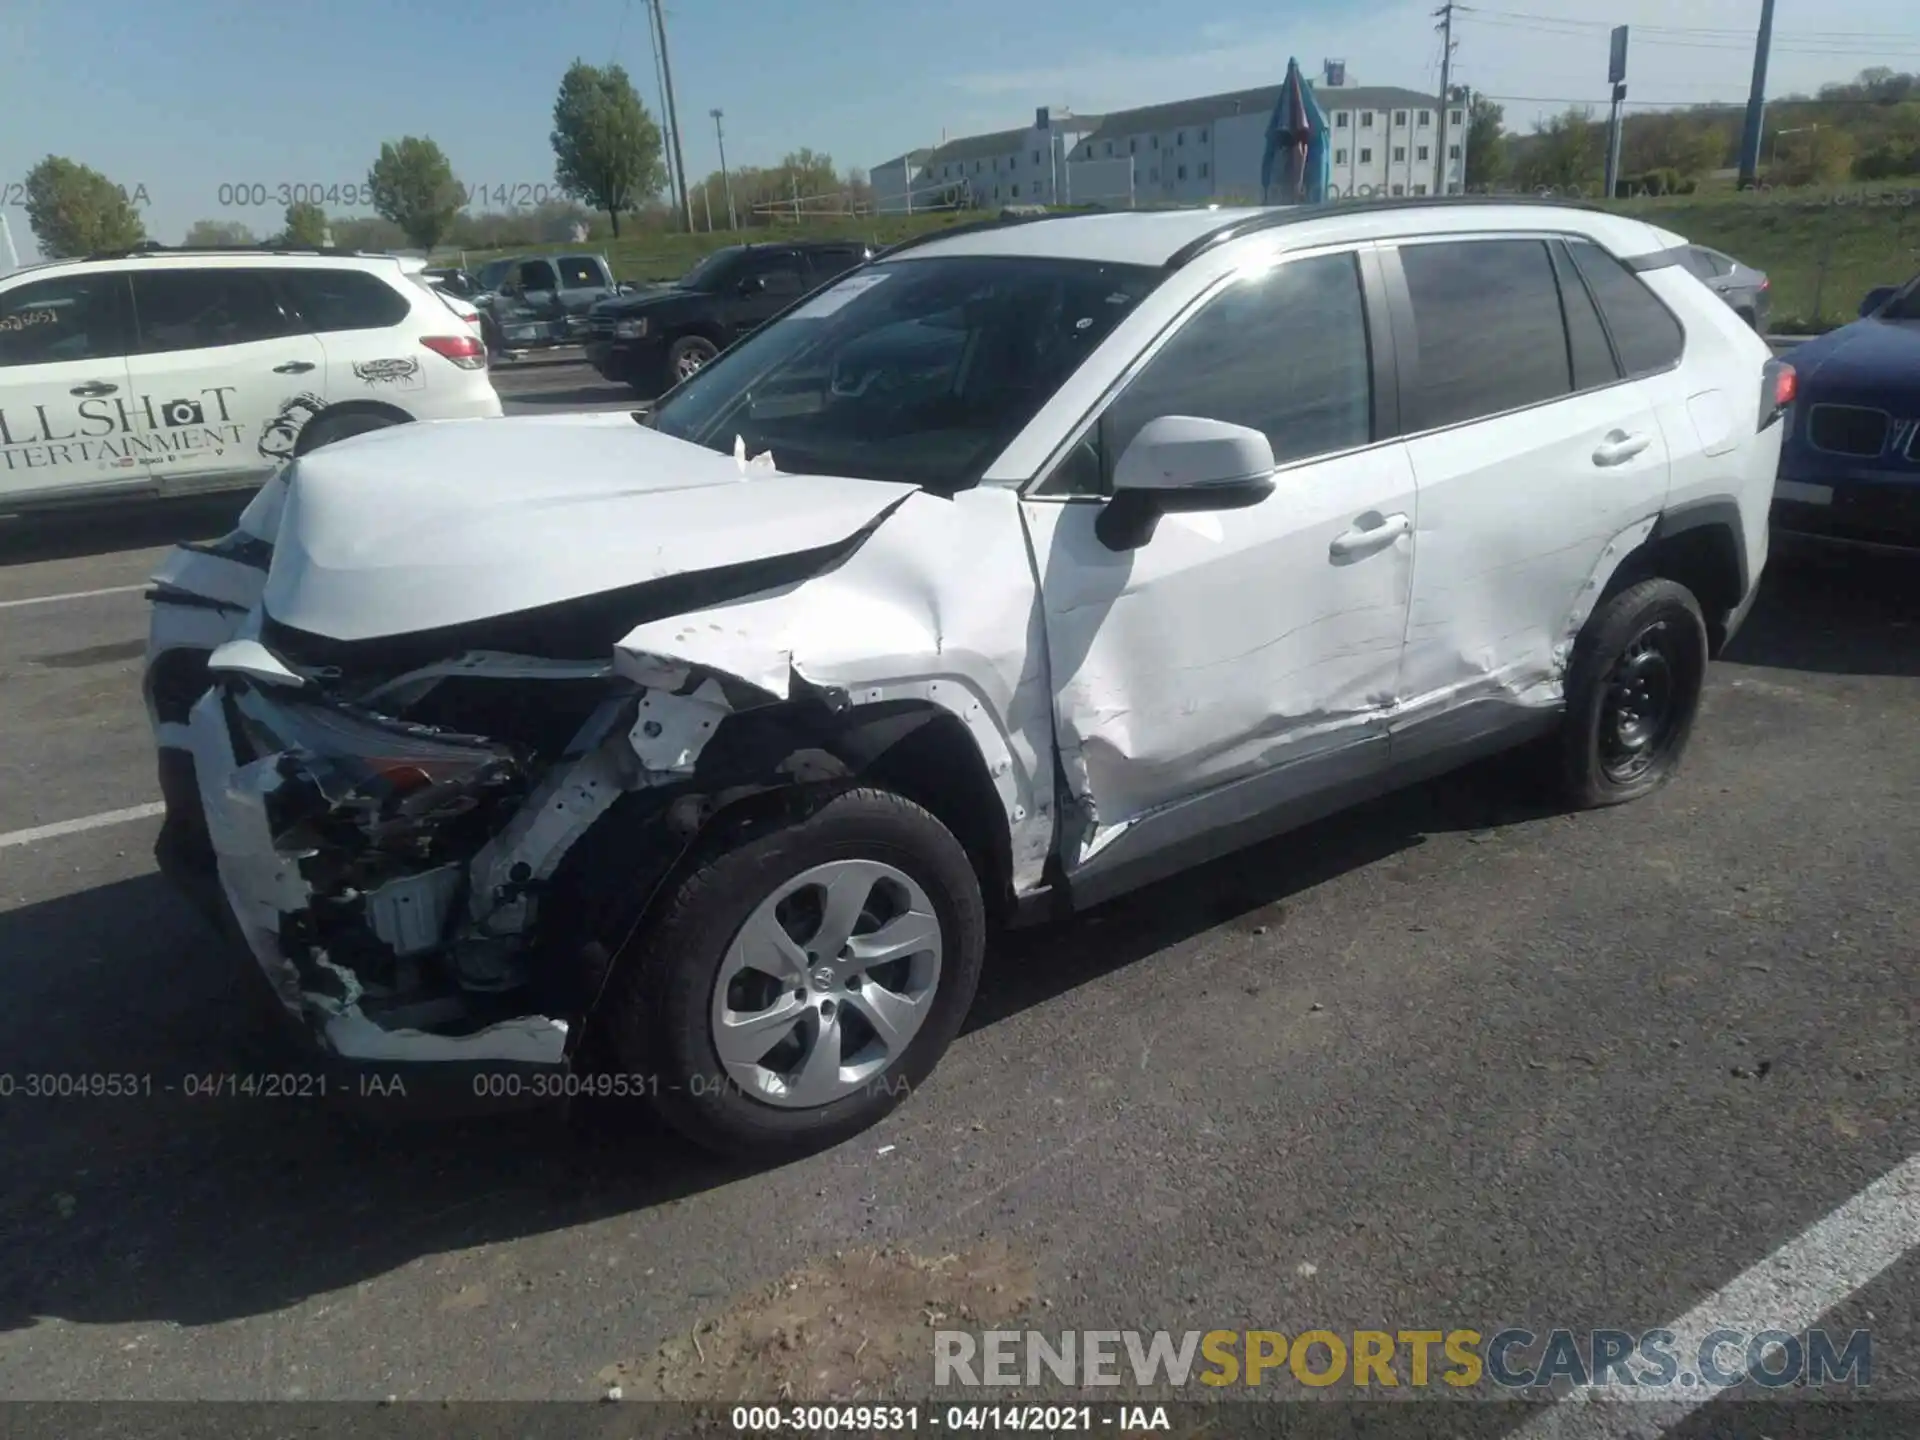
[659, 336]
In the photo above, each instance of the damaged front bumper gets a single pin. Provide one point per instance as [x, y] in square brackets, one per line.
[347, 847]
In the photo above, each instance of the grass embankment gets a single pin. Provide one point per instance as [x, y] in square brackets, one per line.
[1823, 248]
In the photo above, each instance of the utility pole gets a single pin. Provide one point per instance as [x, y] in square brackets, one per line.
[673, 110]
[666, 127]
[13, 255]
[1445, 27]
[1757, 99]
[733, 222]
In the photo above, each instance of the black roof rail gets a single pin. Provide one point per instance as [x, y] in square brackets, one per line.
[1273, 217]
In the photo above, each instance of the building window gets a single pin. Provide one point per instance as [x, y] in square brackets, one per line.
[1203, 169]
[1340, 120]
[1426, 117]
[1203, 137]
[1399, 154]
[1154, 175]
[976, 167]
[1036, 157]
[1016, 192]
[1366, 119]
[1181, 173]
[1400, 117]
[1339, 157]
[1180, 137]
[1366, 157]
[1453, 117]
[1419, 189]
[1453, 152]
[1422, 153]
[1156, 142]
[1109, 147]
[1133, 147]
[1399, 189]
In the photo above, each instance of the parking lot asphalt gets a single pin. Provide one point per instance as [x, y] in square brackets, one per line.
[1456, 1060]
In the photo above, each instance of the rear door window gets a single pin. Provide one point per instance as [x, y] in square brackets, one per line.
[580, 272]
[1592, 356]
[205, 309]
[827, 264]
[1645, 335]
[1489, 333]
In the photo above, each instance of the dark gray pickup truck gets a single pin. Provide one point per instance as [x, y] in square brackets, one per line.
[540, 301]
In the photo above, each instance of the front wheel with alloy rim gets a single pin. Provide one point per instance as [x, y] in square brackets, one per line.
[798, 986]
[688, 356]
[1633, 690]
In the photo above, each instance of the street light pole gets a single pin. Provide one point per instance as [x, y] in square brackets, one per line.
[733, 221]
[1756, 99]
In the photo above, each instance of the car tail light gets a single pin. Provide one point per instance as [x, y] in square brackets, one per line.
[1765, 283]
[463, 350]
[1779, 386]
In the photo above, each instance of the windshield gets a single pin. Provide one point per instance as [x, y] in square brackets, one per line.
[917, 370]
[711, 272]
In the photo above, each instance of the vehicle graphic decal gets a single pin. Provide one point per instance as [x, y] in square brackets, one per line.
[282, 433]
[400, 373]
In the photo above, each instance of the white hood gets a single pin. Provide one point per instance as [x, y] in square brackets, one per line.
[420, 526]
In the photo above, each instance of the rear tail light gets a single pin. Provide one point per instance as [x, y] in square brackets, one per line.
[1779, 385]
[1765, 283]
[463, 350]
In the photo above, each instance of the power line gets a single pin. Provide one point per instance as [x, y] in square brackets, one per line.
[1789, 101]
[1746, 36]
[1882, 49]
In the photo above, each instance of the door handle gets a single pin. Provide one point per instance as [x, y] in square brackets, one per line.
[1365, 538]
[293, 367]
[93, 389]
[1620, 447]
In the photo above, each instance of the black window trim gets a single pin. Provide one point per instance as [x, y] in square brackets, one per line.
[1401, 300]
[1383, 372]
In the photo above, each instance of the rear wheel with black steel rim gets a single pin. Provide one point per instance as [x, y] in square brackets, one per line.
[1633, 690]
[797, 987]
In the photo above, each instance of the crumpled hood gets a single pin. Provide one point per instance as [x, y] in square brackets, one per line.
[442, 523]
[1867, 355]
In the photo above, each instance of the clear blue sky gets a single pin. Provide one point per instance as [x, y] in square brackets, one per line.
[183, 96]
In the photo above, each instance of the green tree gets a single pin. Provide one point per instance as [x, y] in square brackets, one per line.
[413, 187]
[1486, 145]
[606, 146]
[1565, 152]
[214, 234]
[306, 224]
[75, 210]
[1820, 157]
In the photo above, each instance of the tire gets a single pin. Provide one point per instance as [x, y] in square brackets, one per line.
[1642, 653]
[338, 427]
[687, 355]
[682, 979]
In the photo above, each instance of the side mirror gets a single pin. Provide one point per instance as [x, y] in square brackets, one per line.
[1876, 297]
[1183, 463]
[753, 284]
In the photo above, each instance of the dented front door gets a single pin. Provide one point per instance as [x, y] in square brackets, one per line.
[1239, 659]
[1236, 646]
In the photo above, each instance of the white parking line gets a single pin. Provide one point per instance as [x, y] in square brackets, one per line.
[1789, 1290]
[85, 822]
[71, 595]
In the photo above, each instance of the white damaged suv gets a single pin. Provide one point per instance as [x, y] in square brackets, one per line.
[1020, 567]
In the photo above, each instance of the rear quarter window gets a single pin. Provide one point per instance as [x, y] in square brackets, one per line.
[1646, 336]
[333, 300]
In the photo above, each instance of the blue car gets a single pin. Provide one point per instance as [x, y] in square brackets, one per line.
[1850, 466]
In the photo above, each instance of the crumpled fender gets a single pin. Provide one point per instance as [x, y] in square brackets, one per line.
[940, 605]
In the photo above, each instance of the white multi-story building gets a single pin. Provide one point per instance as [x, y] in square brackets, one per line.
[1382, 140]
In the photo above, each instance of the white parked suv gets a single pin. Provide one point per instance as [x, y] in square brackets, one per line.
[164, 372]
[701, 752]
